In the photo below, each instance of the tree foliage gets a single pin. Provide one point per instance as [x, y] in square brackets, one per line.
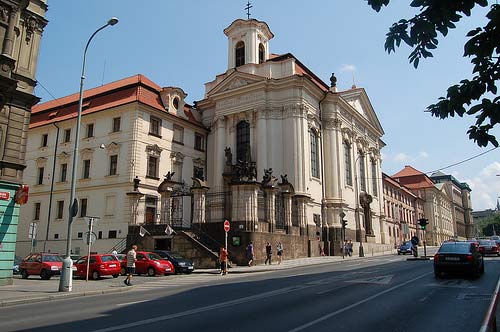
[485, 225]
[475, 97]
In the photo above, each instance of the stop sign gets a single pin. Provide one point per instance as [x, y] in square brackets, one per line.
[226, 226]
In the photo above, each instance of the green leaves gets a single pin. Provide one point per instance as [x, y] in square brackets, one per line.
[437, 17]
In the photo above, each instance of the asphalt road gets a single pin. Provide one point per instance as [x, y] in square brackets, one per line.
[384, 293]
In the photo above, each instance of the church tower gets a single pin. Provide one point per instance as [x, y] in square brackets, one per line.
[248, 42]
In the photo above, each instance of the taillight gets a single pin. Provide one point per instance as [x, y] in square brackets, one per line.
[470, 258]
[436, 257]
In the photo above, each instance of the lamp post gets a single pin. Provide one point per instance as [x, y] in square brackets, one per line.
[65, 282]
[358, 222]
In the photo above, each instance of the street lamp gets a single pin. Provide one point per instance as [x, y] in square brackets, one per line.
[65, 282]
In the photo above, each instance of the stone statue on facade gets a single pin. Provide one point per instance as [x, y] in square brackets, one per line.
[284, 179]
[136, 183]
[365, 200]
[333, 81]
[169, 176]
[268, 180]
[229, 156]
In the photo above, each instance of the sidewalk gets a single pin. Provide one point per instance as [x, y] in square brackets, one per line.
[32, 290]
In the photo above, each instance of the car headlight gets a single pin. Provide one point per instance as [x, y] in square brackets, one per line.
[54, 268]
[157, 263]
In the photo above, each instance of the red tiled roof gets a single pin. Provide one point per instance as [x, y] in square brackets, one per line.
[413, 179]
[136, 88]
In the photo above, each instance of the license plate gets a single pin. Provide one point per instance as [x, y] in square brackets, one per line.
[452, 258]
[112, 265]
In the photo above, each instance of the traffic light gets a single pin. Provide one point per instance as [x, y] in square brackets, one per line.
[344, 223]
[423, 223]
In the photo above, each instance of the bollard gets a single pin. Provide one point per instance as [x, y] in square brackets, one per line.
[66, 281]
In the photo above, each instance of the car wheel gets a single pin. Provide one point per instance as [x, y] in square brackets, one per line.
[151, 272]
[45, 275]
[95, 275]
[116, 275]
[24, 274]
[122, 271]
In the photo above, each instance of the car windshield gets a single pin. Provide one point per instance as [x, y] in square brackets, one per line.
[406, 244]
[52, 258]
[108, 258]
[154, 257]
[175, 255]
[455, 248]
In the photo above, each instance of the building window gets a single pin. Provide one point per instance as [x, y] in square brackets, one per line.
[150, 217]
[45, 140]
[60, 209]
[116, 124]
[198, 142]
[83, 207]
[79, 235]
[362, 173]
[56, 236]
[198, 172]
[99, 235]
[36, 214]
[110, 206]
[64, 172]
[178, 134]
[374, 178]
[177, 169]
[154, 126]
[112, 234]
[67, 135]
[347, 164]
[152, 171]
[262, 53]
[86, 169]
[314, 154]
[176, 103]
[40, 175]
[90, 130]
[113, 164]
[240, 53]
[243, 141]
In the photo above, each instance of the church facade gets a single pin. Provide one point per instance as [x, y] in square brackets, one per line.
[283, 142]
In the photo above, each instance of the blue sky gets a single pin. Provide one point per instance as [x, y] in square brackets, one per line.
[181, 43]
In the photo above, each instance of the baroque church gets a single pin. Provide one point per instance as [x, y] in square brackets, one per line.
[272, 148]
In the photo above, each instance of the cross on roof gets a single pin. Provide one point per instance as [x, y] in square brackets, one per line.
[248, 9]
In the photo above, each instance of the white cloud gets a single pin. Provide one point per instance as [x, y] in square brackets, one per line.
[348, 68]
[401, 157]
[423, 154]
[485, 187]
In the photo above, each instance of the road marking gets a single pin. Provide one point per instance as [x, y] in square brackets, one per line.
[129, 303]
[381, 280]
[349, 307]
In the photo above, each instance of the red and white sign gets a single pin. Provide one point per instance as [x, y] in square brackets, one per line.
[227, 227]
[22, 194]
[4, 195]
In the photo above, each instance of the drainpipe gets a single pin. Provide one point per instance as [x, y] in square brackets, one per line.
[51, 187]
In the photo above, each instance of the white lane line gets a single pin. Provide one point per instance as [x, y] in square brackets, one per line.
[130, 303]
[316, 321]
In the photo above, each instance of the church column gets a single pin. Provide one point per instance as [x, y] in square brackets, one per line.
[261, 142]
[244, 205]
[199, 196]
[287, 209]
[270, 207]
[302, 213]
[220, 145]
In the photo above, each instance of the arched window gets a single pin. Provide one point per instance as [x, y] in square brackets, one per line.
[262, 53]
[176, 103]
[347, 163]
[240, 53]
[243, 141]
[314, 153]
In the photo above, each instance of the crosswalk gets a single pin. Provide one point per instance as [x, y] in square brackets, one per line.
[178, 281]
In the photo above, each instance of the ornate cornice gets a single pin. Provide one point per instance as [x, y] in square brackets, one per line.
[177, 157]
[153, 150]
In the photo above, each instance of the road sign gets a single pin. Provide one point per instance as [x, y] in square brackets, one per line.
[227, 226]
[32, 230]
[4, 195]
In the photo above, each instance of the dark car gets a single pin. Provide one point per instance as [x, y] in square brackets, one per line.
[181, 264]
[45, 265]
[458, 257]
[405, 248]
[488, 247]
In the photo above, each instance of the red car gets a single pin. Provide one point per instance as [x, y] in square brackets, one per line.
[44, 265]
[488, 247]
[151, 264]
[99, 265]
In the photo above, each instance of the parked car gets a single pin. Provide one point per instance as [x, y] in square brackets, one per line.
[458, 257]
[488, 247]
[181, 264]
[45, 265]
[405, 248]
[151, 264]
[99, 265]
[15, 268]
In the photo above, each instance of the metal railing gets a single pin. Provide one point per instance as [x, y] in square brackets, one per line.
[490, 319]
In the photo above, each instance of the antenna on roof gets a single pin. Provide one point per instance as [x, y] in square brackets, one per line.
[353, 81]
[248, 9]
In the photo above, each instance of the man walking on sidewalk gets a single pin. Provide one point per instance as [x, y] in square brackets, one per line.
[131, 259]
[268, 253]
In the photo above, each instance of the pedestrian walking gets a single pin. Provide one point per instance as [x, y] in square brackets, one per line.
[349, 248]
[250, 253]
[131, 259]
[223, 261]
[279, 252]
[269, 253]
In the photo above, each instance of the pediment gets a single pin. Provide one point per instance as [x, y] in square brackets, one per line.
[234, 81]
[359, 101]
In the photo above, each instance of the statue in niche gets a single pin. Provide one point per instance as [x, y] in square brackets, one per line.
[365, 200]
[169, 176]
[229, 156]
